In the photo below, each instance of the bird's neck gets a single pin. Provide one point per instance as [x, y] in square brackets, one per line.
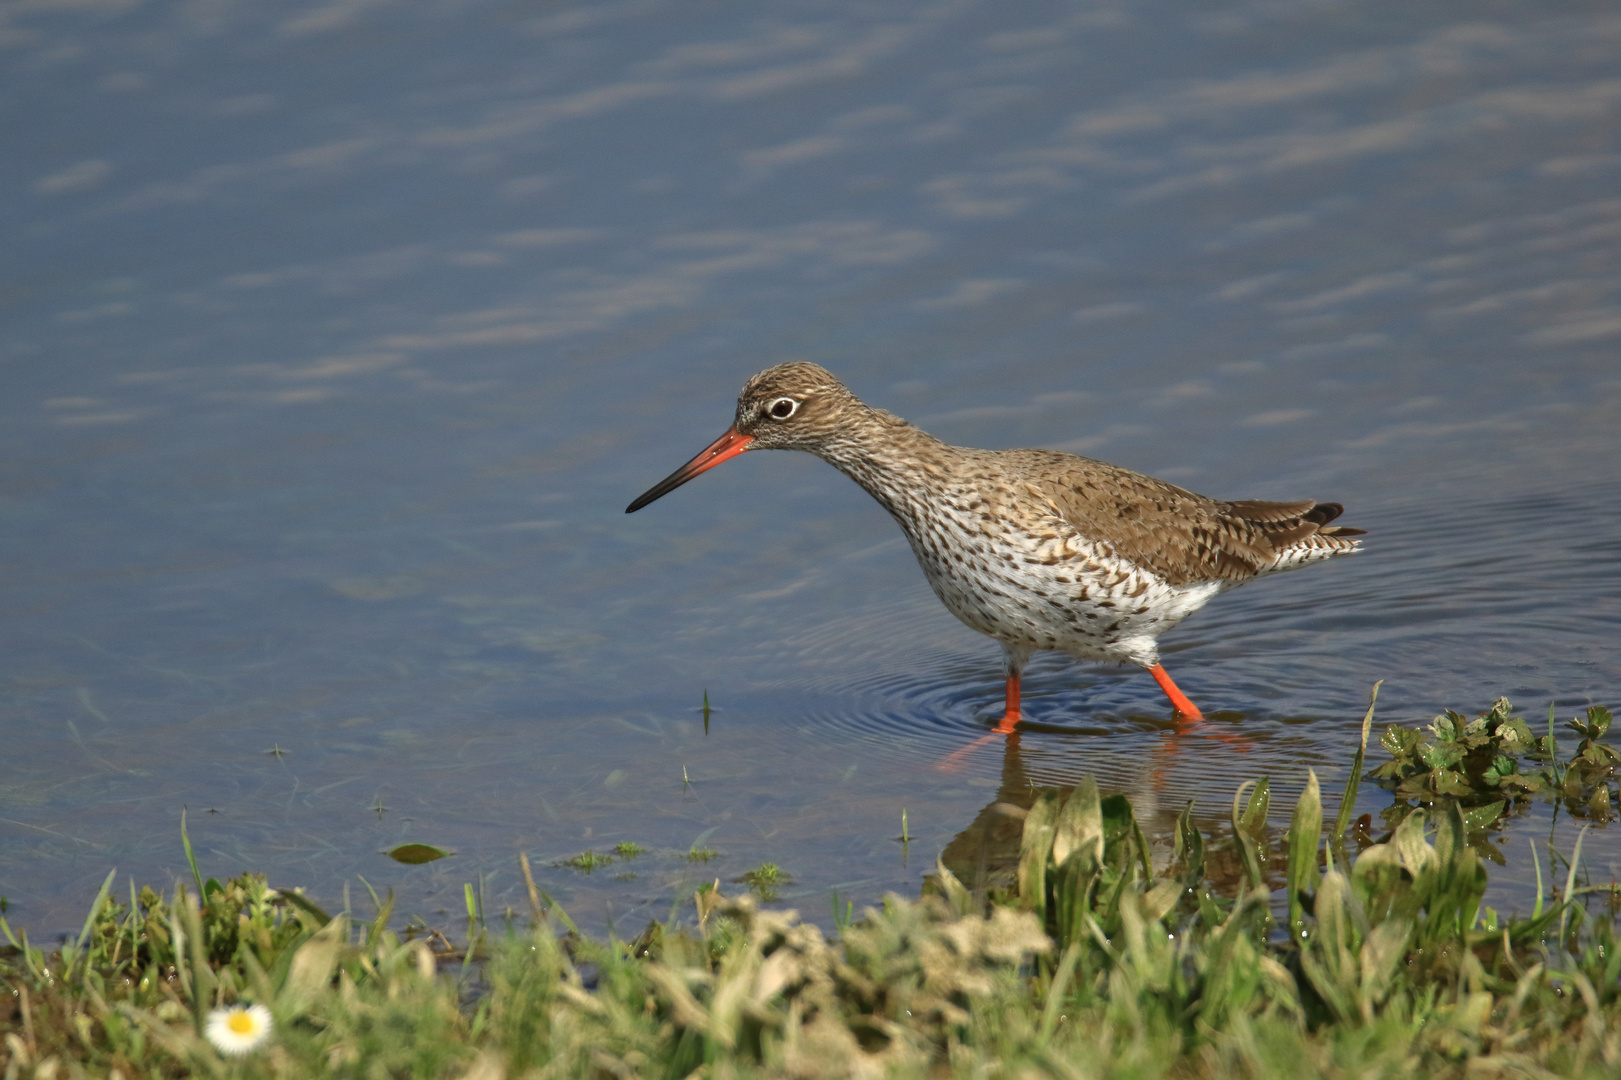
[890, 458]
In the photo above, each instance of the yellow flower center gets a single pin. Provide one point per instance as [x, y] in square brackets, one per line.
[240, 1022]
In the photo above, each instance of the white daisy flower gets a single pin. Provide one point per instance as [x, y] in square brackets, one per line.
[237, 1030]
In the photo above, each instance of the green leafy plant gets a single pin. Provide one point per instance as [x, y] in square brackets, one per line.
[1495, 758]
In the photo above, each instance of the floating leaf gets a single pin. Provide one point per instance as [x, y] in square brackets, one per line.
[416, 854]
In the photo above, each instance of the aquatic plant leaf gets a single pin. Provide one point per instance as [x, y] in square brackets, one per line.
[1448, 782]
[1461, 883]
[1035, 847]
[956, 893]
[1329, 957]
[416, 854]
[1482, 816]
[1258, 806]
[1079, 824]
[305, 904]
[1374, 869]
[1502, 766]
[1190, 847]
[1441, 755]
[1382, 953]
[1595, 754]
[1598, 807]
[312, 967]
[1399, 740]
[1348, 799]
[1416, 855]
[1448, 726]
[1305, 835]
[1244, 841]
[1523, 783]
[1517, 731]
[1449, 834]
[1389, 770]
[1158, 901]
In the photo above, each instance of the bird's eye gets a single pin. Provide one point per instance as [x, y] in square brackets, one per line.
[783, 408]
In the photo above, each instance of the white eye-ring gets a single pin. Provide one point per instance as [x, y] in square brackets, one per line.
[782, 408]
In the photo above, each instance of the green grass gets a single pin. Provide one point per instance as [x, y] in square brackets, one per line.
[587, 861]
[1367, 957]
[765, 880]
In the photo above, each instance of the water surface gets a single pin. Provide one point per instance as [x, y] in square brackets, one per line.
[334, 339]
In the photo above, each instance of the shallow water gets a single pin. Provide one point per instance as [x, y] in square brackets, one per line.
[334, 340]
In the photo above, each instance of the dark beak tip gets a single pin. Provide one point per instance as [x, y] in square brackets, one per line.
[727, 446]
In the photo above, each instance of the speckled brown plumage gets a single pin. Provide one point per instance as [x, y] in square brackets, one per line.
[1036, 548]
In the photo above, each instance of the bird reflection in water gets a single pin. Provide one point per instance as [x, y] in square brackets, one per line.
[985, 855]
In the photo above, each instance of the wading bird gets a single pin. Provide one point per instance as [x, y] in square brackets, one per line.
[1035, 548]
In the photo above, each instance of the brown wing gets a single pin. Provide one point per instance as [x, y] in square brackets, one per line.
[1180, 536]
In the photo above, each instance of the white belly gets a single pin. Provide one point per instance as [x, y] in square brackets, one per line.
[1063, 593]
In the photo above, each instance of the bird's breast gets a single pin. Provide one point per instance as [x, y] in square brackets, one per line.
[1033, 583]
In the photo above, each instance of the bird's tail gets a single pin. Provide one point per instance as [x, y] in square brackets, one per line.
[1299, 533]
[1323, 513]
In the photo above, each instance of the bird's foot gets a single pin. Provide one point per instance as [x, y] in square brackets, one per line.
[1009, 723]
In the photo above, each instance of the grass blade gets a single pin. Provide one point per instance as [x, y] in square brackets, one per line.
[1536, 912]
[90, 919]
[1570, 883]
[185, 841]
[1056, 992]
[1348, 800]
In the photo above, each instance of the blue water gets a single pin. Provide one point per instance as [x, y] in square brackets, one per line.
[334, 339]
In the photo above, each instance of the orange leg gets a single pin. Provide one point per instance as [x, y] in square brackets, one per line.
[1010, 715]
[1179, 700]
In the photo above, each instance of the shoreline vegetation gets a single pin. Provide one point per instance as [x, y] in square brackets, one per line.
[1327, 950]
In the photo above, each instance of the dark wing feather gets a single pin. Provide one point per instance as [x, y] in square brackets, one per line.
[1178, 535]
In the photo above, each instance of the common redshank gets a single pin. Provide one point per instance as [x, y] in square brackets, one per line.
[1036, 548]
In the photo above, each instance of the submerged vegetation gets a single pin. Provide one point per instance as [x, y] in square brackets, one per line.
[1376, 959]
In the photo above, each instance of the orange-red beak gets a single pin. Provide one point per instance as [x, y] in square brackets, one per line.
[728, 445]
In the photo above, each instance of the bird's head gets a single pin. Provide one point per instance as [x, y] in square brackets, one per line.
[794, 406]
